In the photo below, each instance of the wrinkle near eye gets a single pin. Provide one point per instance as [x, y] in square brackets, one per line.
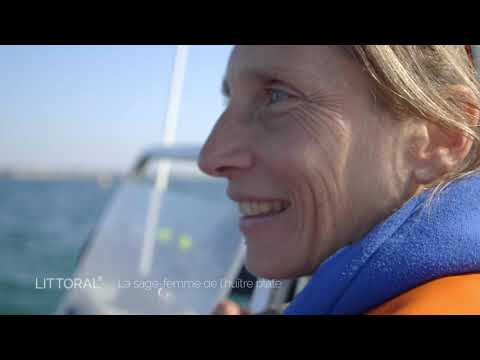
[333, 102]
[322, 123]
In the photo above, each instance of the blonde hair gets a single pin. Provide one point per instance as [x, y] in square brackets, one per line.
[413, 81]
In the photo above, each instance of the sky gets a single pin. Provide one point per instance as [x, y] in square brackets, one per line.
[96, 108]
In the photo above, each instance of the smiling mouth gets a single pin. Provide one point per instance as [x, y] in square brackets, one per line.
[252, 209]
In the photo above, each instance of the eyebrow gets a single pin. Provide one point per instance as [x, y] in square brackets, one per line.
[271, 73]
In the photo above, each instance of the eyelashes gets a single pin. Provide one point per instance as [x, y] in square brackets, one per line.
[270, 97]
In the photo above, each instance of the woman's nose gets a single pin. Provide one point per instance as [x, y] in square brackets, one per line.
[226, 151]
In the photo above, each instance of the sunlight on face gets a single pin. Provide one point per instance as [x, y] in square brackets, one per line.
[312, 162]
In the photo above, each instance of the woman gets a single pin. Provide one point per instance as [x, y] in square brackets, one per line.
[336, 156]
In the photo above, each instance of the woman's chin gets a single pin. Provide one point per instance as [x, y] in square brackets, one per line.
[266, 267]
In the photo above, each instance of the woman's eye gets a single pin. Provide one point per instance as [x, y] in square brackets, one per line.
[277, 95]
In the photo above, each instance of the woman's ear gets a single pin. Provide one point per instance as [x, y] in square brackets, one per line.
[436, 150]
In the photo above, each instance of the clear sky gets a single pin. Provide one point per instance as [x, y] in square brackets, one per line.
[90, 108]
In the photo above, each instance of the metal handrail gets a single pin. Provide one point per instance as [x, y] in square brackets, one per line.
[262, 298]
[175, 152]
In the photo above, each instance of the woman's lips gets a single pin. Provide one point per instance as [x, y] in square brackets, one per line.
[261, 208]
[260, 213]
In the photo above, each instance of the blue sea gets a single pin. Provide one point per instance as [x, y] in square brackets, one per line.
[43, 226]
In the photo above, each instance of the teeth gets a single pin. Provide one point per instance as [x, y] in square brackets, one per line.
[253, 208]
[277, 206]
[264, 207]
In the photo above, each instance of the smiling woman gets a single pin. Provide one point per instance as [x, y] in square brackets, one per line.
[331, 153]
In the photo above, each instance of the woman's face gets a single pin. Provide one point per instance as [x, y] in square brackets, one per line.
[311, 159]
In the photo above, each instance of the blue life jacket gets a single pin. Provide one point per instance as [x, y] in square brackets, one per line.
[415, 245]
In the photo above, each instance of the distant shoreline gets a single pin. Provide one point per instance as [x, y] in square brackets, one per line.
[58, 175]
[179, 167]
